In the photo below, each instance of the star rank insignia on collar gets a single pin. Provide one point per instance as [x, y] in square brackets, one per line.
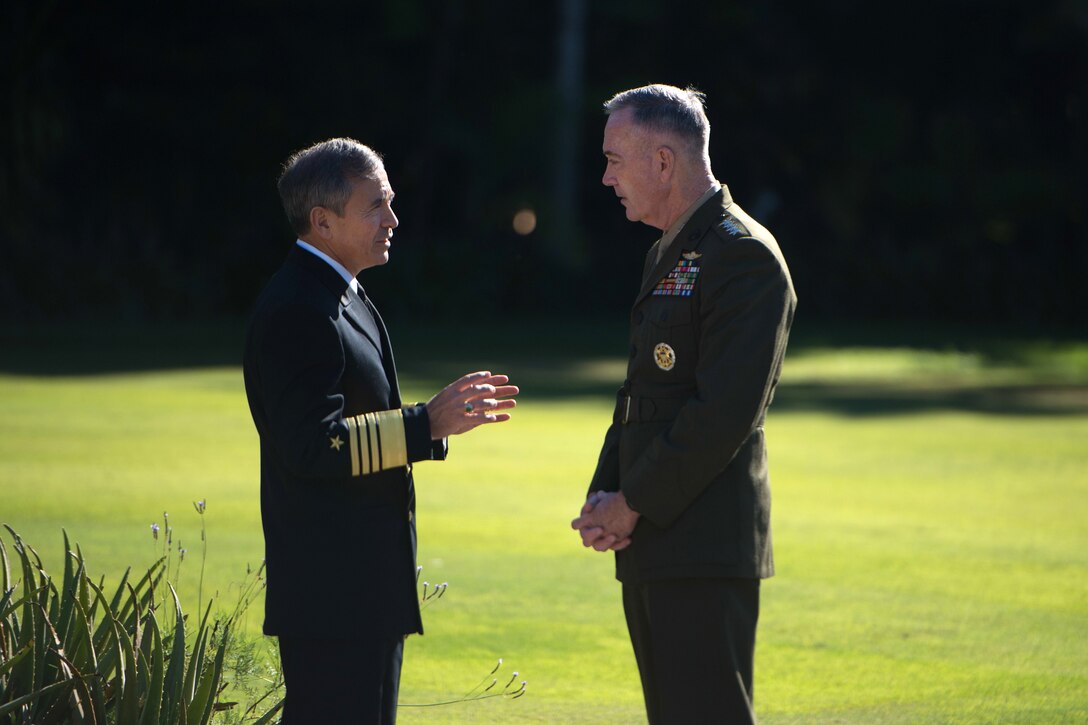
[730, 225]
[335, 443]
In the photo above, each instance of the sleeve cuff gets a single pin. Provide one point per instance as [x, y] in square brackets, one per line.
[417, 435]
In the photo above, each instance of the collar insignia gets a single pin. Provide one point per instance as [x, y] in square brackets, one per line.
[731, 226]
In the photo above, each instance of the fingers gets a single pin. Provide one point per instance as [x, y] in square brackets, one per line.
[481, 397]
[622, 544]
[481, 379]
[594, 537]
[488, 391]
[475, 420]
[594, 529]
[604, 543]
[585, 520]
[591, 535]
[480, 411]
[477, 407]
[591, 502]
[471, 401]
[463, 382]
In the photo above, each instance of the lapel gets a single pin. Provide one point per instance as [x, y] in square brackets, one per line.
[388, 363]
[688, 239]
[359, 315]
[351, 306]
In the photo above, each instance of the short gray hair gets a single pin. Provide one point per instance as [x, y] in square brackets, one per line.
[680, 112]
[324, 175]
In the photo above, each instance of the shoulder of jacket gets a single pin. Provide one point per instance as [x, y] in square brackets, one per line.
[734, 223]
[294, 293]
[729, 226]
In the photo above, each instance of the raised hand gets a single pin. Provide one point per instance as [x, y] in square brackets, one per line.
[470, 401]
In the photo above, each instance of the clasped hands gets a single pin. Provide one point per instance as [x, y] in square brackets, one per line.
[470, 401]
[606, 521]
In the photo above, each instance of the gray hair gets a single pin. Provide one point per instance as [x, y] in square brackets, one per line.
[324, 175]
[667, 109]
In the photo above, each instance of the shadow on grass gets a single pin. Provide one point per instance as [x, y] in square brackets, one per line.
[553, 359]
[865, 399]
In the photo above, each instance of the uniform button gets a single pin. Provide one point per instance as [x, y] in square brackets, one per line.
[410, 517]
[634, 351]
[638, 317]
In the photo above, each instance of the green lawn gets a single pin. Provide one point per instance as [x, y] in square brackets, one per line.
[931, 519]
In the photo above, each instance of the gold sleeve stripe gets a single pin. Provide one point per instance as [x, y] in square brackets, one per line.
[374, 446]
[353, 445]
[395, 448]
[377, 442]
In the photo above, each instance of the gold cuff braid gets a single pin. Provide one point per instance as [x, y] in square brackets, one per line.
[377, 442]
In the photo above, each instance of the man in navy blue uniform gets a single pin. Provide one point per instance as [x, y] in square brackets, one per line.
[681, 491]
[338, 444]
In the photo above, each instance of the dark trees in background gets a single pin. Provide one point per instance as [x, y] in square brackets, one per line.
[915, 162]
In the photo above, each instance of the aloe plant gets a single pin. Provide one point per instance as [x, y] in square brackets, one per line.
[76, 655]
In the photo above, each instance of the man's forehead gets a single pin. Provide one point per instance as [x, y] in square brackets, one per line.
[623, 135]
[370, 192]
[381, 178]
[378, 184]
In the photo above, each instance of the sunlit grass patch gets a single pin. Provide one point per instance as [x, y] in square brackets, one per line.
[929, 525]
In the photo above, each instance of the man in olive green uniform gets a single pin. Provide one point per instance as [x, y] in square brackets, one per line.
[681, 490]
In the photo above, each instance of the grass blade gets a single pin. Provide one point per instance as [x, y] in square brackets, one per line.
[267, 717]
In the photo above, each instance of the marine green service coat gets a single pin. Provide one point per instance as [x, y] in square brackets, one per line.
[686, 446]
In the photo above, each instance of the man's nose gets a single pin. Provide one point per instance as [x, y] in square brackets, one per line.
[391, 221]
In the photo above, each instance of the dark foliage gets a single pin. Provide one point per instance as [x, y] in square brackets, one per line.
[915, 160]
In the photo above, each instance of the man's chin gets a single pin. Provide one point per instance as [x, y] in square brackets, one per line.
[378, 260]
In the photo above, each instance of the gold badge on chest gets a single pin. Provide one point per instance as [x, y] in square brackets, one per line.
[664, 356]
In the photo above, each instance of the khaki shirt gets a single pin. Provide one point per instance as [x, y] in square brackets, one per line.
[667, 238]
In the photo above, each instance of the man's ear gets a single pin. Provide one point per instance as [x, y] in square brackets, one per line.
[320, 221]
[665, 162]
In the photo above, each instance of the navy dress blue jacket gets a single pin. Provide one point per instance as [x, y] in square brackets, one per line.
[337, 496]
